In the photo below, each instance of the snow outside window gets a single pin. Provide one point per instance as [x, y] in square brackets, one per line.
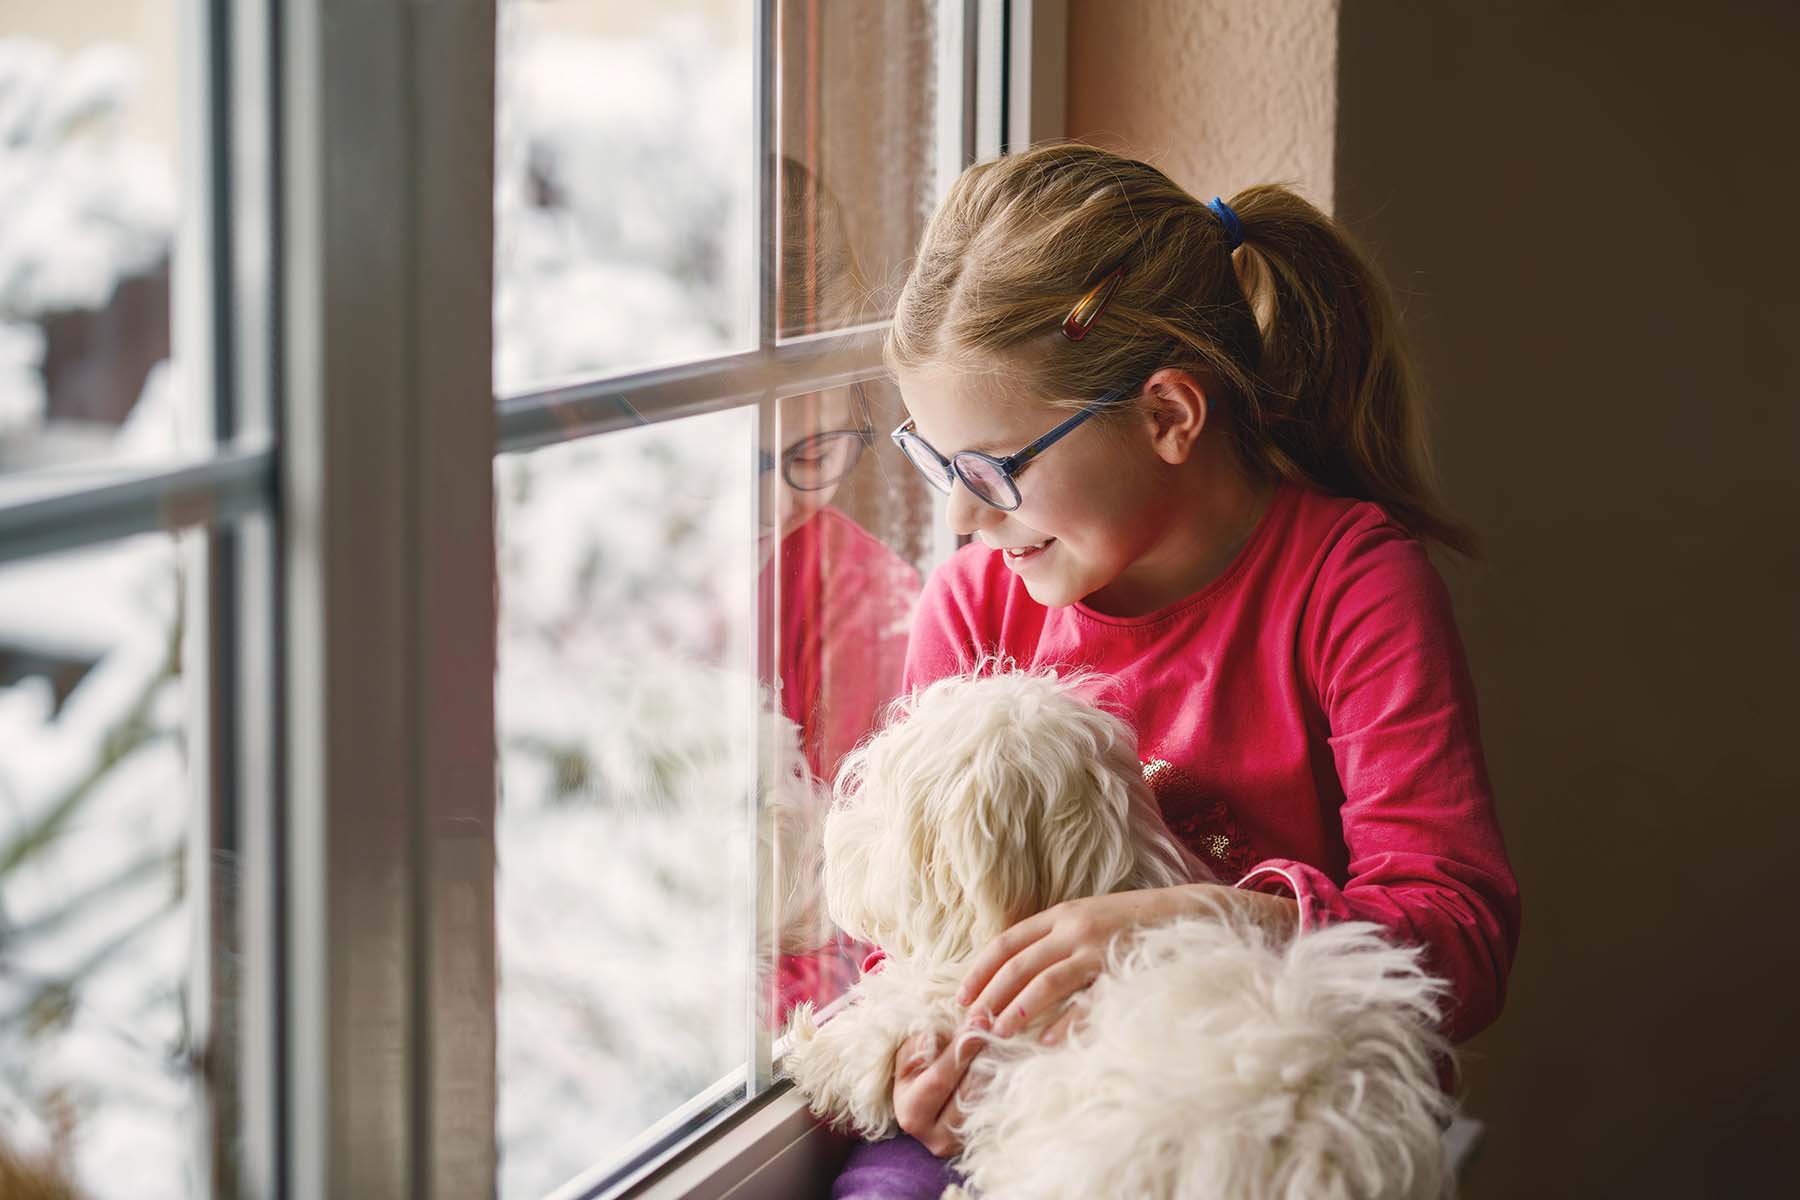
[98, 790]
[699, 615]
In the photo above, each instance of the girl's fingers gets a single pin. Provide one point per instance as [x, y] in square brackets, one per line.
[934, 1084]
[997, 952]
[1044, 994]
[1058, 1030]
[1001, 995]
[942, 1139]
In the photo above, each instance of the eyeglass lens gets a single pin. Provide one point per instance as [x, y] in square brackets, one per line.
[936, 472]
[986, 480]
[821, 460]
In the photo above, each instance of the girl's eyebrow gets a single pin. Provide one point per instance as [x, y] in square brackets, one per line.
[989, 446]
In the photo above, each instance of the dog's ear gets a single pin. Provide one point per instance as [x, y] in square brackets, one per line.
[925, 847]
[985, 800]
[887, 877]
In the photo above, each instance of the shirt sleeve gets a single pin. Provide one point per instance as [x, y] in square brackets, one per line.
[1426, 859]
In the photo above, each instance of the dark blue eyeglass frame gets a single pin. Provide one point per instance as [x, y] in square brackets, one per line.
[847, 443]
[942, 472]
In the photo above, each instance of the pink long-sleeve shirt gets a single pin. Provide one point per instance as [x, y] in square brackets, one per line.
[1306, 721]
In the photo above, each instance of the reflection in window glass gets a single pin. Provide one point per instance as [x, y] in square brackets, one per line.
[94, 926]
[857, 94]
[843, 538]
[628, 718]
[623, 186]
[88, 186]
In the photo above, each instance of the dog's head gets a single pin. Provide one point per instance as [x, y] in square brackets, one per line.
[985, 799]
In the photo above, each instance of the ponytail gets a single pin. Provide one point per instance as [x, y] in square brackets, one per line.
[1334, 401]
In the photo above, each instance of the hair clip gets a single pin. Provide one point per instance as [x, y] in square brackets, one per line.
[1087, 310]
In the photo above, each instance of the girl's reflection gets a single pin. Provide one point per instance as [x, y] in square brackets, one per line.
[845, 603]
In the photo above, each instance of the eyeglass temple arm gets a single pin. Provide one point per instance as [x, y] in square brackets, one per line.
[1014, 462]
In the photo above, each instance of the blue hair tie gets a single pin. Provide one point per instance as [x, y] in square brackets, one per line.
[1234, 228]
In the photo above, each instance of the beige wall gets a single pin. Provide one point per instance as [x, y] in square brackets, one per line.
[1590, 219]
[1220, 94]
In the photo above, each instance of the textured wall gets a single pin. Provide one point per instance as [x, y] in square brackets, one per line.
[1589, 212]
[1218, 93]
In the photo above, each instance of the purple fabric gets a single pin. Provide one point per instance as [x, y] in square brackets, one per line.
[900, 1168]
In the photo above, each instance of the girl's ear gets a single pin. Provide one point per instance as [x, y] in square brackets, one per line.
[1175, 404]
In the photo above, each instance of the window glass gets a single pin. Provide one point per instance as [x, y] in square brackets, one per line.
[95, 915]
[628, 710]
[845, 535]
[91, 195]
[857, 97]
[692, 633]
[623, 187]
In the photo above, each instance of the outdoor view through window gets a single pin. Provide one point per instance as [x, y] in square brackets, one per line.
[698, 615]
[688, 626]
[95, 794]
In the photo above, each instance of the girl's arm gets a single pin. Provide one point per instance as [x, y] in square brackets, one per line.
[1425, 855]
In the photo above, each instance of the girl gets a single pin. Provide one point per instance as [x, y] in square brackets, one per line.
[1182, 438]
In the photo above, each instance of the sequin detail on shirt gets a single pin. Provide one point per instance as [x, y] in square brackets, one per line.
[1204, 824]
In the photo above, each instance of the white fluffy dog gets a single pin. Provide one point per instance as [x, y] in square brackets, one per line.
[1211, 1061]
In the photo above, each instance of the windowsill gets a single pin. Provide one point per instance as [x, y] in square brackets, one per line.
[776, 1151]
[780, 1152]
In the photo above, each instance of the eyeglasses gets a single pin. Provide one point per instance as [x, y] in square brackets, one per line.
[822, 459]
[991, 480]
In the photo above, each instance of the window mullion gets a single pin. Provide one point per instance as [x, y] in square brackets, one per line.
[226, 485]
[246, 564]
[386, 210]
[453, 596]
[346, 473]
[1037, 54]
[689, 389]
[956, 83]
[202, 340]
[759, 1071]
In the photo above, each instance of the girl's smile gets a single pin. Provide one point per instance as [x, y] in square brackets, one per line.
[1018, 556]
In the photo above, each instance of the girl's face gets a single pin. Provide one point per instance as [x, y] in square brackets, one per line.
[801, 418]
[1094, 509]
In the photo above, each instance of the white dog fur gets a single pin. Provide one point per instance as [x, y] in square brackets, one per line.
[1210, 1061]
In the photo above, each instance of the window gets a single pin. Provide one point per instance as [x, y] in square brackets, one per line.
[447, 537]
[134, 570]
[706, 567]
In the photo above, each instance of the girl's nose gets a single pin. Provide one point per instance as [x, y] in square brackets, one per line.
[966, 514]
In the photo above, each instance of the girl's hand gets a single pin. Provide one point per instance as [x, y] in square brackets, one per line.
[929, 1088]
[1038, 965]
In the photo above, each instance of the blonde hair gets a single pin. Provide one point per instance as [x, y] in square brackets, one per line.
[1295, 336]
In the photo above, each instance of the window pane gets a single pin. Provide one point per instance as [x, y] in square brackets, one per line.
[850, 554]
[624, 182]
[91, 190]
[95, 912]
[858, 121]
[627, 708]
